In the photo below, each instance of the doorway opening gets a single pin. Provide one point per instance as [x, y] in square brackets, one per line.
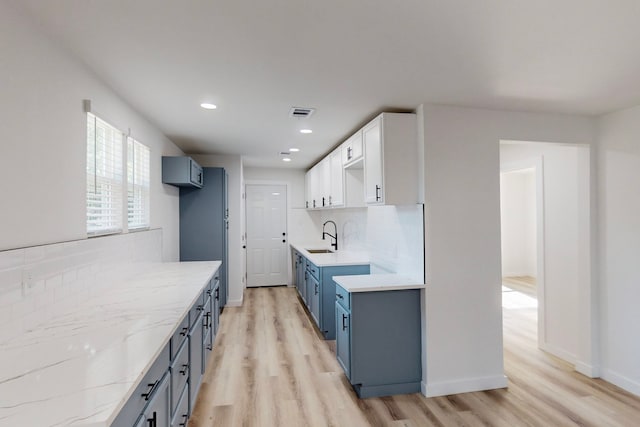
[522, 249]
[546, 228]
[267, 236]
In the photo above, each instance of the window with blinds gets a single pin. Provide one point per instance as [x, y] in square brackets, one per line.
[138, 184]
[105, 185]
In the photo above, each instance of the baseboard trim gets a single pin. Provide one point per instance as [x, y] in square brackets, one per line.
[558, 352]
[621, 381]
[587, 369]
[234, 303]
[464, 386]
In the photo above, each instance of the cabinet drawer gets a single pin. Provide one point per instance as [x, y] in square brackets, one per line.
[179, 375]
[197, 309]
[181, 415]
[179, 336]
[144, 391]
[343, 297]
[313, 270]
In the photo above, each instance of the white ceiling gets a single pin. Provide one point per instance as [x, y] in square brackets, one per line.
[349, 59]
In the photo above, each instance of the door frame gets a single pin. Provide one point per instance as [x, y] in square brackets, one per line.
[287, 225]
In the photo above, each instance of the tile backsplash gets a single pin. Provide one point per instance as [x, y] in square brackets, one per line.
[393, 236]
[39, 281]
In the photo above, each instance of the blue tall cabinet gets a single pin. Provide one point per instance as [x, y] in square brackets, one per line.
[204, 224]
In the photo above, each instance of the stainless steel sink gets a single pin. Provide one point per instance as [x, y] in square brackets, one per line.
[319, 251]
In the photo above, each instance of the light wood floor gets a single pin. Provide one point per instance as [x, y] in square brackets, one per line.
[270, 368]
[523, 284]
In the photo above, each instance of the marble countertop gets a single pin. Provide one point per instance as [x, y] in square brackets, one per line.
[336, 258]
[80, 368]
[377, 282]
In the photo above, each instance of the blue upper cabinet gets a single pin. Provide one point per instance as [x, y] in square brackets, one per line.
[182, 172]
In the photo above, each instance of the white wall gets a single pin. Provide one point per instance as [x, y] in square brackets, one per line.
[566, 233]
[619, 241]
[233, 165]
[463, 325]
[518, 222]
[43, 141]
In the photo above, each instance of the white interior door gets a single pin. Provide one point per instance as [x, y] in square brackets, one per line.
[266, 209]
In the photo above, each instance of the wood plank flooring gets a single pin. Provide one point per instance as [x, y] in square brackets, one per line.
[271, 368]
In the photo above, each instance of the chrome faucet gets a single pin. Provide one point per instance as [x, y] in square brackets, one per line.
[335, 237]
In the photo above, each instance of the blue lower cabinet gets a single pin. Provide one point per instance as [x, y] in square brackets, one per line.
[343, 343]
[157, 412]
[167, 393]
[378, 342]
[317, 289]
[196, 339]
[181, 416]
[328, 295]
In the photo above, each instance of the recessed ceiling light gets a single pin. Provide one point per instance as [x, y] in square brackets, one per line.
[275, 194]
[208, 106]
[294, 150]
[306, 131]
[286, 159]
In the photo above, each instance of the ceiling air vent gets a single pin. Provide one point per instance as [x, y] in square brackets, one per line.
[301, 112]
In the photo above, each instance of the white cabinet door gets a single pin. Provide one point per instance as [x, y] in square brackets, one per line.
[373, 166]
[336, 196]
[324, 177]
[314, 188]
[308, 192]
[352, 148]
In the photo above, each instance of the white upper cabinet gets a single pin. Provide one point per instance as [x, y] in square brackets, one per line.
[324, 182]
[390, 159]
[352, 149]
[308, 192]
[336, 196]
[377, 165]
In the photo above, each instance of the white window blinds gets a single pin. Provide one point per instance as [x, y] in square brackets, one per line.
[104, 177]
[138, 184]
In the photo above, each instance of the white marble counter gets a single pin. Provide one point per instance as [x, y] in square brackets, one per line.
[376, 282]
[80, 368]
[331, 259]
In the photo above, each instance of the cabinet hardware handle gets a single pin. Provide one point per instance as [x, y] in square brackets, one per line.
[184, 370]
[314, 203]
[205, 320]
[184, 331]
[200, 308]
[316, 289]
[349, 151]
[378, 197]
[149, 392]
[153, 422]
[330, 202]
[344, 326]
[185, 417]
[307, 204]
[217, 293]
[209, 292]
[339, 296]
[284, 241]
[209, 347]
[323, 201]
